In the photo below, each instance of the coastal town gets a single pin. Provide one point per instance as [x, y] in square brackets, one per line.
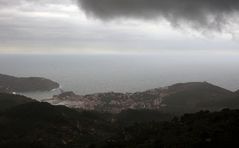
[111, 102]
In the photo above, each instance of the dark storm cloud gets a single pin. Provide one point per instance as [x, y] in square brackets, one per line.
[196, 13]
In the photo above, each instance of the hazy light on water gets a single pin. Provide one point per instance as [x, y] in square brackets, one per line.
[86, 74]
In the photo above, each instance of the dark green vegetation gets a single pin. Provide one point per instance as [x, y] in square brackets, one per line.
[129, 117]
[13, 84]
[202, 129]
[41, 125]
[237, 92]
[195, 96]
[8, 101]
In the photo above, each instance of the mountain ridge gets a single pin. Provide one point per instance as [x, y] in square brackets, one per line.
[40, 124]
[8, 101]
[10, 84]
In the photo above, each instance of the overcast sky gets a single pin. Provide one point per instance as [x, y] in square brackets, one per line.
[113, 26]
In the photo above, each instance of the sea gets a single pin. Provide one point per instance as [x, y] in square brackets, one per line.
[95, 73]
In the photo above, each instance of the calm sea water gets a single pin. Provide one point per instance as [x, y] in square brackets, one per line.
[85, 74]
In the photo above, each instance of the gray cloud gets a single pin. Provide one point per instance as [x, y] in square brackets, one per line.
[14, 3]
[204, 14]
[39, 26]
